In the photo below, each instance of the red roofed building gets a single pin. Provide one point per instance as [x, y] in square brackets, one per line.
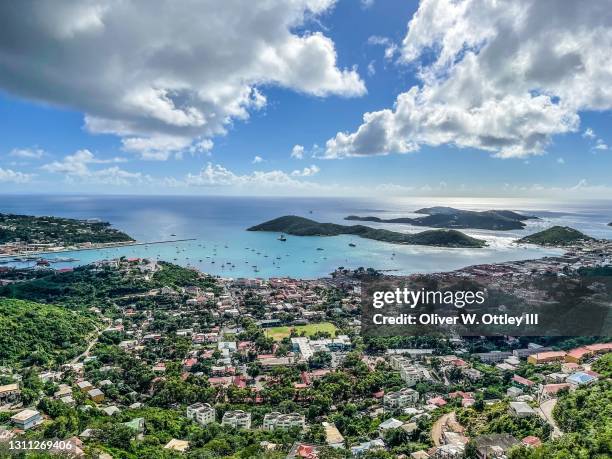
[600, 347]
[188, 363]
[240, 381]
[532, 441]
[316, 374]
[550, 390]
[438, 401]
[523, 382]
[578, 354]
[546, 357]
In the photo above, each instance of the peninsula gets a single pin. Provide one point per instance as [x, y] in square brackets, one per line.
[449, 217]
[299, 226]
[556, 236]
[21, 234]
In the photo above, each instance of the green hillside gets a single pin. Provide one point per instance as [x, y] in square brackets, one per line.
[449, 217]
[42, 334]
[56, 230]
[557, 236]
[299, 226]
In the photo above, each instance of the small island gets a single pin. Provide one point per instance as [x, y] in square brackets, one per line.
[557, 236]
[21, 234]
[299, 226]
[449, 217]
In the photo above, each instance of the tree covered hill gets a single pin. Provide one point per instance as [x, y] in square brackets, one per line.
[449, 217]
[56, 230]
[98, 286]
[39, 334]
[299, 226]
[556, 236]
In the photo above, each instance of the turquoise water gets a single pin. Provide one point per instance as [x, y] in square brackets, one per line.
[222, 246]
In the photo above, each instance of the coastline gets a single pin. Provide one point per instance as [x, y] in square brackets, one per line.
[109, 245]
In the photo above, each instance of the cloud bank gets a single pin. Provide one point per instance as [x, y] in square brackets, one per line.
[166, 76]
[503, 77]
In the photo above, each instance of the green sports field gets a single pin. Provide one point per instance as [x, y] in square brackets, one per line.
[278, 333]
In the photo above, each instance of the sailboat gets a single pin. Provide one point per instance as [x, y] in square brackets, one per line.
[282, 238]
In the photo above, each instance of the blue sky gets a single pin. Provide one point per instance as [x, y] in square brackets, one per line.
[456, 109]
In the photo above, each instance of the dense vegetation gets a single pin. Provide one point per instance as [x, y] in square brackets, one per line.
[39, 334]
[556, 236]
[448, 217]
[299, 226]
[102, 286]
[603, 366]
[56, 230]
[585, 415]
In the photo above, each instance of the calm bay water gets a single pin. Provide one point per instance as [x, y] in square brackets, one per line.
[223, 246]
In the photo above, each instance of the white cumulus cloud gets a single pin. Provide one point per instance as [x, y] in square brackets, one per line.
[166, 76]
[77, 167]
[503, 77]
[306, 172]
[27, 153]
[9, 175]
[297, 152]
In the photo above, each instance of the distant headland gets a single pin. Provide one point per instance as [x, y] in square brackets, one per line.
[449, 217]
[299, 226]
[558, 236]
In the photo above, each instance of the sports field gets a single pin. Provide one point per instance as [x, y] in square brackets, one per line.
[278, 333]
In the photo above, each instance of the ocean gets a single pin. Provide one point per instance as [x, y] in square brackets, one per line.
[222, 246]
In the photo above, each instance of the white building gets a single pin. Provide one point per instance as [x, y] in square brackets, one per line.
[277, 420]
[402, 398]
[237, 419]
[202, 413]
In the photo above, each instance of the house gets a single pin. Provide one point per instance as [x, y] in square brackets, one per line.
[111, 410]
[546, 357]
[63, 390]
[85, 386]
[437, 401]
[68, 400]
[202, 413]
[493, 356]
[402, 398]
[333, 437]
[275, 420]
[390, 423]
[549, 391]
[580, 378]
[419, 455]
[96, 395]
[531, 441]
[177, 445]
[521, 382]
[578, 355]
[521, 409]
[514, 392]
[9, 393]
[493, 445]
[238, 419]
[367, 446]
[27, 419]
[304, 451]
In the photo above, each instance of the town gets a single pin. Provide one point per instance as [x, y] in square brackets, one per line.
[178, 362]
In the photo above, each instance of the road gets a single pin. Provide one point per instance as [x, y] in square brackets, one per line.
[436, 429]
[91, 344]
[545, 412]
